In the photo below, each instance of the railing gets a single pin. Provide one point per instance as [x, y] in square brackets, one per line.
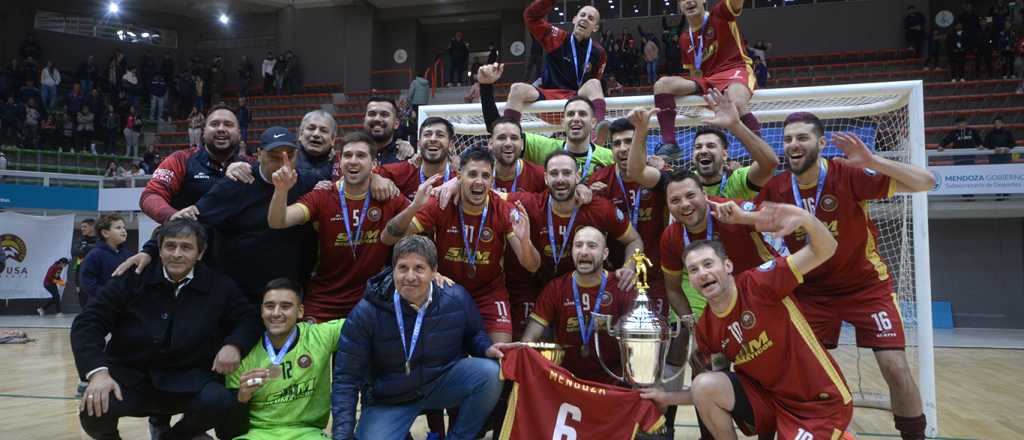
[432, 72]
[71, 180]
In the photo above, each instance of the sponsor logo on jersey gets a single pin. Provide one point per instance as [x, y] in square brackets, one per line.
[748, 320]
[619, 215]
[201, 176]
[870, 172]
[754, 348]
[487, 235]
[373, 214]
[748, 206]
[337, 218]
[709, 33]
[305, 361]
[829, 203]
[606, 299]
[569, 382]
[163, 174]
[766, 266]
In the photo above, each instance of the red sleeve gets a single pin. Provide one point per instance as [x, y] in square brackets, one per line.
[503, 217]
[545, 310]
[864, 183]
[767, 193]
[615, 222]
[399, 204]
[312, 201]
[649, 417]
[671, 246]
[774, 279]
[723, 11]
[165, 183]
[536, 17]
[387, 171]
[602, 61]
[427, 217]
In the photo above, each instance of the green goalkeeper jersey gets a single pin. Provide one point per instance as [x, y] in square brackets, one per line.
[298, 404]
[536, 149]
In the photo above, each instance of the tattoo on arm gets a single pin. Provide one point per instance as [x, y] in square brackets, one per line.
[393, 228]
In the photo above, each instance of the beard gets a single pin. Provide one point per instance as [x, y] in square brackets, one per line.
[810, 159]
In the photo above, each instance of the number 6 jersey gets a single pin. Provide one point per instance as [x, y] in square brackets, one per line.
[549, 402]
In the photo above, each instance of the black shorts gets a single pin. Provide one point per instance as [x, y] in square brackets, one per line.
[742, 412]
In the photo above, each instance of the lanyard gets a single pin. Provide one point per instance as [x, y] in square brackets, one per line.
[710, 229]
[575, 60]
[587, 328]
[277, 357]
[471, 253]
[556, 253]
[515, 180]
[699, 56]
[722, 184]
[822, 172]
[353, 242]
[415, 330]
[586, 166]
[447, 174]
[634, 208]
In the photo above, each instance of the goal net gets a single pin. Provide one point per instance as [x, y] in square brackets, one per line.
[888, 117]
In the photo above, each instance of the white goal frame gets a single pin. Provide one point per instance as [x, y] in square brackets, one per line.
[895, 95]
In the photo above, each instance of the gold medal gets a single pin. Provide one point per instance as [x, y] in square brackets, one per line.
[471, 272]
[584, 351]
[275, 371]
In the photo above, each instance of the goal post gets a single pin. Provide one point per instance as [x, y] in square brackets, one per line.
[888, 116]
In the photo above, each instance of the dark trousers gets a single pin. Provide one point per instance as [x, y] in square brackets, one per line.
[268, 84]
[956, 66]
[982, 58]
[243, 87]
[458, 72]
[213, 406]
[54, 297]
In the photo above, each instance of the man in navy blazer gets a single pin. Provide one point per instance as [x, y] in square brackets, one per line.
[175, 329]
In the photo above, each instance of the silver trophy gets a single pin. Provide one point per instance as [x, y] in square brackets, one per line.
[644, 337]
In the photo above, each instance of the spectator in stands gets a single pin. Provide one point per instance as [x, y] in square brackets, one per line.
[613, 86]
[13, 118]
[135, 170]
[87, 74]
[957, 46]
[169, 372]
[96, 102]
[52, 282]
[419, 92]
[245, 74]
[157, 97]
[67, 130]
[1000, 14]
[458, 59]
[117, 65]
[268, 73]
[969, 19]
[100, 263]
[216, 84]
[1006, 39]
[167, 65]
[3, 162]
[74, 101]
[291, 72]
[48, 129]
[962, 137]
[244, 118]
[913, 29]
[280, 66]
[32, 119]
[651, 59]
[984, 44]
[935, 43]
[761, 73]
[110, 125]
[29, 70]
[29, 91]
[405, 383]
[196, 122]
[111, 169]
[30, 48]
[49, 79]
[132, 129]
[149, 159]
[670, 41]
[131, 85]
[199, 91]
[1000, 140]
[86, 241]
[85, 129]
[492, 54]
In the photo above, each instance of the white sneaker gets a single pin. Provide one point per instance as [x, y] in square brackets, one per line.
[40, 312]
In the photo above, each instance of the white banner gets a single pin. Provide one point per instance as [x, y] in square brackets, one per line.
[978, 179]
[30, 245]
[119, 199]
[146, 228]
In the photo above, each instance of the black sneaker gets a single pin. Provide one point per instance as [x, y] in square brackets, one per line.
[670, 152]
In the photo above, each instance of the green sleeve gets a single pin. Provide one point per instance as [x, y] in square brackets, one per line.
[537, 147]
[250, 361]
[327, 334]
[738, 186]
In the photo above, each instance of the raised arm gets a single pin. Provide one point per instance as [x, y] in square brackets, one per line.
[519, 239]
[727, 117]
[637, 169]
[536, 17]
[487, 75]
[401, 225]
[279, 215]
[907, 177]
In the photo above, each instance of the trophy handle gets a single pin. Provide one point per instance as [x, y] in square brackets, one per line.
[607, 320]
[686, 320]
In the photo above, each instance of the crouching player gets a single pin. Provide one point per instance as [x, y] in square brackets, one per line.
[784, 380]
[286, 379]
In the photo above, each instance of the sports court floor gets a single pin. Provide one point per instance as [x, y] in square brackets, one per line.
[980, 390]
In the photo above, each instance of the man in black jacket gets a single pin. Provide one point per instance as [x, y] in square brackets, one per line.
[171, 327]
[1001, 140]
[963, 137]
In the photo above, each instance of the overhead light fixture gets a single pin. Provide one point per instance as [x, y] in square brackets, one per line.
[145, 35]
[224, 19]
[113, 8]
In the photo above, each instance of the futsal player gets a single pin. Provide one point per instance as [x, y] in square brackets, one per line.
[434, 141]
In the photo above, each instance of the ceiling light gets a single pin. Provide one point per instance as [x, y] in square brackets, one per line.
[224, 19]
[113, 8]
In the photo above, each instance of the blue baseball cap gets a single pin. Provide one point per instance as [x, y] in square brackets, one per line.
[275, 137]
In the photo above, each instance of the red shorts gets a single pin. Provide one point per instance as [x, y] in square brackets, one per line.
[555, 94]
[722, 80]
[772, 415]
[522, 304]
[494, 310]
[875, 313]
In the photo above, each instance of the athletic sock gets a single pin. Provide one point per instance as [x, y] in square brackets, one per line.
[599, 109]
[752, 123]
[666, 102]
[911, 428]
[513, 114]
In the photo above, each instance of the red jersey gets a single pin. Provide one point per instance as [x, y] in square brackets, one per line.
[407, 177]
[722, 44]
[650, 214]
[340, 278]
[767, 338]
[52, 277]
[549, 402]
[745, 246]
[857, 264]
[451, 249]
[599, 213]
[529, 178]
[556, 307]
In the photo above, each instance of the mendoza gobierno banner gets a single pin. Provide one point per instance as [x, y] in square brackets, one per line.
[29, 244]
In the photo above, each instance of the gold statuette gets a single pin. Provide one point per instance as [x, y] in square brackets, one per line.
[640, 265]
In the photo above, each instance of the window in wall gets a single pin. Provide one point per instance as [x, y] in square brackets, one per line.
[105, 29]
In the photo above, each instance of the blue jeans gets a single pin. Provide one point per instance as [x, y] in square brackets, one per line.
[49, 95]
[472, 385]
[652, 71]
[86, 87]
[157, 105]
